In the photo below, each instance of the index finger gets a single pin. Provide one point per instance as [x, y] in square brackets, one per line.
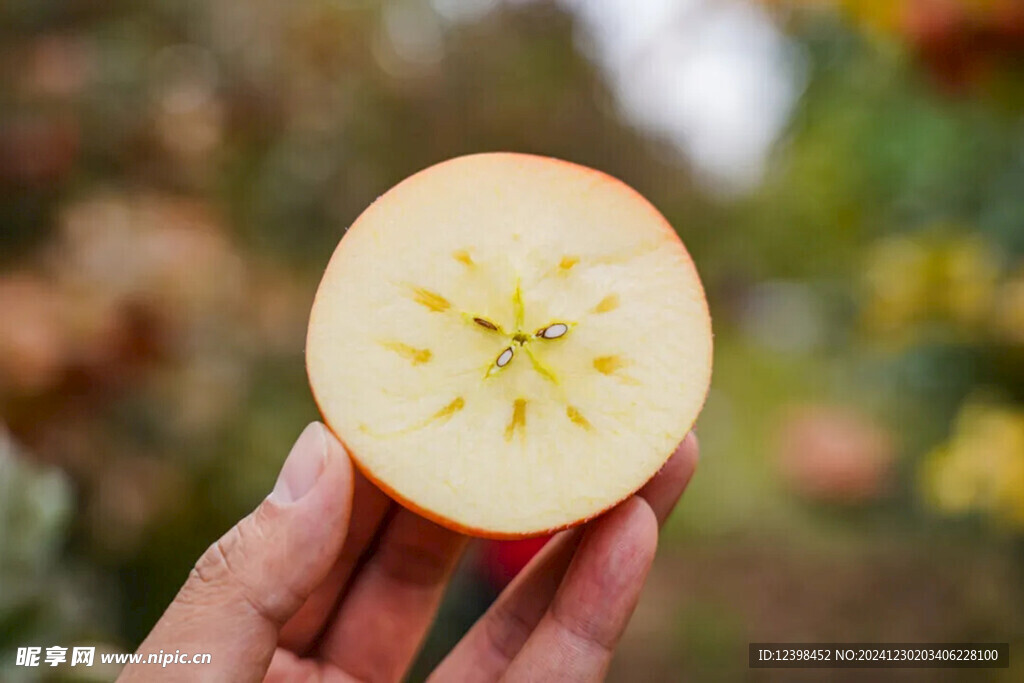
[575, 639]
[369, 508]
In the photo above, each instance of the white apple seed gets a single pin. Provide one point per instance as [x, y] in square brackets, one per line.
[554, 331]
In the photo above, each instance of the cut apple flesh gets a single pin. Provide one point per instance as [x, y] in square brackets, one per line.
[510, 344]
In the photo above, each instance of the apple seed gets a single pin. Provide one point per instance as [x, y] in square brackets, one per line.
[504, 358]
[553, 331]
[482, 322]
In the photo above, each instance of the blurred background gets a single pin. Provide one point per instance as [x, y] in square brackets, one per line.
[848, 175]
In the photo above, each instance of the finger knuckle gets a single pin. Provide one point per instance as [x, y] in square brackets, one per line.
[415, 563]
[590, 633]
[506, 630]
[225, 572]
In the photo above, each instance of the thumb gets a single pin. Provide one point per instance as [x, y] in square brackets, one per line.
[248, 583]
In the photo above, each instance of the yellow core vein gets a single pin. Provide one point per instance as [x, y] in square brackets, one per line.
[429, 299]
[441, 415]
[609, 303]
[517, 305]
[577, 417]
[518, 420]
[450, 409]
[541, 367]
[411, 353]
[607, 365]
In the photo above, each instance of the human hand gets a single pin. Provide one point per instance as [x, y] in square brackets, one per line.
[328, 580]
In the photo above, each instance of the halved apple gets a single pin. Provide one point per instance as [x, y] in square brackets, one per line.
[510, 344]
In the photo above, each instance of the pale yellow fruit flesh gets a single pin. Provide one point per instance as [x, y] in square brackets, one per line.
[472, 257]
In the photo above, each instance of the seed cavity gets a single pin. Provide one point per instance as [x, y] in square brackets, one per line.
[432, 300]
[553, 331]
[504, 358]
[568, 262]
[483, 322]
[414, 355]
[609, 303]
[463, 257]
[518, 420]
[577, 417]
[608, 365]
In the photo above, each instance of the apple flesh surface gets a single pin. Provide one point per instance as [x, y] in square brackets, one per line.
[510, 344]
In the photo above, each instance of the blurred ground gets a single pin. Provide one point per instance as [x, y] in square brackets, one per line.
[848, 175]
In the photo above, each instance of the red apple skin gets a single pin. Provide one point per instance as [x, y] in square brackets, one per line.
[488, 533]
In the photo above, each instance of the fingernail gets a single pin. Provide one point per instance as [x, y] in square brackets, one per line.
[303, 466]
